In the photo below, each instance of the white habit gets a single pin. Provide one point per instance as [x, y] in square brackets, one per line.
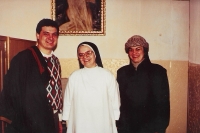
[91, 101]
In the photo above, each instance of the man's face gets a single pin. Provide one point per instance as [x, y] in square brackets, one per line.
[47, 39]
[136, 54]
[86, 56]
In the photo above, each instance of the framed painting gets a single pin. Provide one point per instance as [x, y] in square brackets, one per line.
[79, 17]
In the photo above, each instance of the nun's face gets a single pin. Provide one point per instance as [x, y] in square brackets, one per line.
[86, 56]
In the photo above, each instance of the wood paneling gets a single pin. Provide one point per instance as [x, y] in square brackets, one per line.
[9, 47]
[193, 123]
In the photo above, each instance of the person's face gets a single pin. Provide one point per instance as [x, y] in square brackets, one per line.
[136, 54]
[47, 39]
[86, 56]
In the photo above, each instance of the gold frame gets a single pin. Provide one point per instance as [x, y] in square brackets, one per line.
[100, 32]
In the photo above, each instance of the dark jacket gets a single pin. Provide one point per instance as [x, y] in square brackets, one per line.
[24, 96]
[144, 95]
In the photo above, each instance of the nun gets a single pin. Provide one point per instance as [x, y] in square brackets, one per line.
[91, 101]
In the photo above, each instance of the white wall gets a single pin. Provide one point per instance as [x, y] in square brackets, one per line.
[164, 24]
[194, 55]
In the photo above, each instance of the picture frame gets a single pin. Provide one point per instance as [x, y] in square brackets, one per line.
[79, 17]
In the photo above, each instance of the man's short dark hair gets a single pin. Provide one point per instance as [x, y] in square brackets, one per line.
[46, 22]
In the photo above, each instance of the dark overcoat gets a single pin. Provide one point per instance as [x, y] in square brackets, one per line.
[24, 96]
[144, 93]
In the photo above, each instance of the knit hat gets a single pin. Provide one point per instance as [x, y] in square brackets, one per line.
[136, 40]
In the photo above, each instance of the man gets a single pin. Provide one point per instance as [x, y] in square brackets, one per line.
[144, 91]
[31, 96]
